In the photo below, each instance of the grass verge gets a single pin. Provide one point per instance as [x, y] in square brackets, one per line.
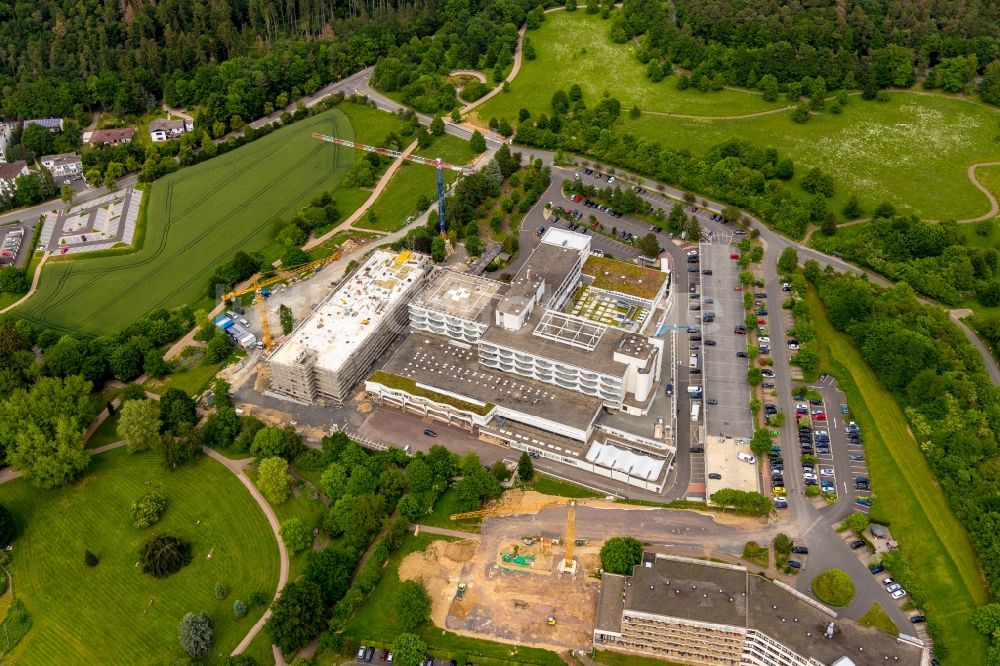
[552, 486]
[878, 618]
[907, 493]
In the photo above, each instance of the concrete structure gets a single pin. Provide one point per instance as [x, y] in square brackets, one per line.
[5, 132]
[9, 173]
[507, 362]
[711, 614]
[328, 352]
[109, 136]
[51, 124]
[63, 165]
[165, 130]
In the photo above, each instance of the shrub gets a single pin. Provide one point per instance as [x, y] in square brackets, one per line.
[257, 598]
[195, 634]
[7, 527]
[148, 509]
[240, 609]
[833, 587]
[90, 559]
[220, 591]
[164, 554]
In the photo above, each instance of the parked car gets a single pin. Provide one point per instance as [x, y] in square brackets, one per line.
[808, 476]
[864, 501]
[857, 544]
[877, 569]
[898, 594]
[741, 354]
[369, 653]
[361, 652]
[826, 471]
[800, 550]
[712, 401]
[767, 372]
[709, 343]
[697, 449]
[793, 564]
[918, 619]
[715, 475]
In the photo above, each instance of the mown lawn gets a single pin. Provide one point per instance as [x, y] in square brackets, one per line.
[575, 48]
[907, 494]
[376, 622]
[618, 659]
[398, 200]
[912, 151]
[114, 613]
[199, 216]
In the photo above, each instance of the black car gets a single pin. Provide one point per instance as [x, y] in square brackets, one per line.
[800, 550]
[792, 564]
[707, 271]
[695, 338]
[777, 481]
[712, 401]
[695, 371]
[709, 343]
[709, 318]
[760, 294]
[918, 619]
[857, 544]
[369, 653]
[430, 433]
[697, 449]
[741, 354]
[715, 475]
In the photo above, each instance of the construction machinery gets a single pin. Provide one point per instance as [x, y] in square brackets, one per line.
[568, 564]
[259, 288]
[396, 154]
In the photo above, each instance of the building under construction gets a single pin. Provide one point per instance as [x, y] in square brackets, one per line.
[326, 355]
[706, 613]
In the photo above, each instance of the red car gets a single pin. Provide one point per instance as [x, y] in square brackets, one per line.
[577, 199]
[734, 255]
[761, 321]
[819, 417]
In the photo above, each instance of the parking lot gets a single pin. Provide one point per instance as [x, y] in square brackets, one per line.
[847, 454]
[727, 391]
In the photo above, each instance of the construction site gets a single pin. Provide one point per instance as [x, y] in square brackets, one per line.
[515, 584]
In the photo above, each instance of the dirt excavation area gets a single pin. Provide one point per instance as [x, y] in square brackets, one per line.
[510, 591]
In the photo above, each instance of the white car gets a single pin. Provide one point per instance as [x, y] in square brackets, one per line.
[898, 594]
[692, 253]
[767, 372]
[764, 340]
[793, 345]
[888, 581]
[808, 476]
[826, 471]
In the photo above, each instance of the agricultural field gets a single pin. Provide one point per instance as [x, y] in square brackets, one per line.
[913, 150]
[575, 48]
[114, 612]
[907, 493]
[198, 217]
[398, 200]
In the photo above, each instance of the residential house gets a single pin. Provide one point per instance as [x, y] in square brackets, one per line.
[51, 124]
[9, 172]
[4, 141]
[165, 130]
[63, 165]
[109, 136]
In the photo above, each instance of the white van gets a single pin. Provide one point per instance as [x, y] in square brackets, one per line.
[746, 457]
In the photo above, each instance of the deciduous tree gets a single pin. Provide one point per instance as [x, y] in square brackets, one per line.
[139, 425]
[620, 554]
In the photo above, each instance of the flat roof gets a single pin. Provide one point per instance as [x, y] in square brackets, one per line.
[699, 592]
[624, 278]
[566, 238]
[459, 294]
[610, 603]
[346, 318]
[721, 594]
[454, 368]
[600, 360]
[800, 627]
[549, 262]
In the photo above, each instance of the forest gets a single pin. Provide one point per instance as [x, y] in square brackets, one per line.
[940, 381]
[852, 45]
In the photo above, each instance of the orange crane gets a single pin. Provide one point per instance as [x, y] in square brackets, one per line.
[389, 152]
[259, 287]
[568, 565]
